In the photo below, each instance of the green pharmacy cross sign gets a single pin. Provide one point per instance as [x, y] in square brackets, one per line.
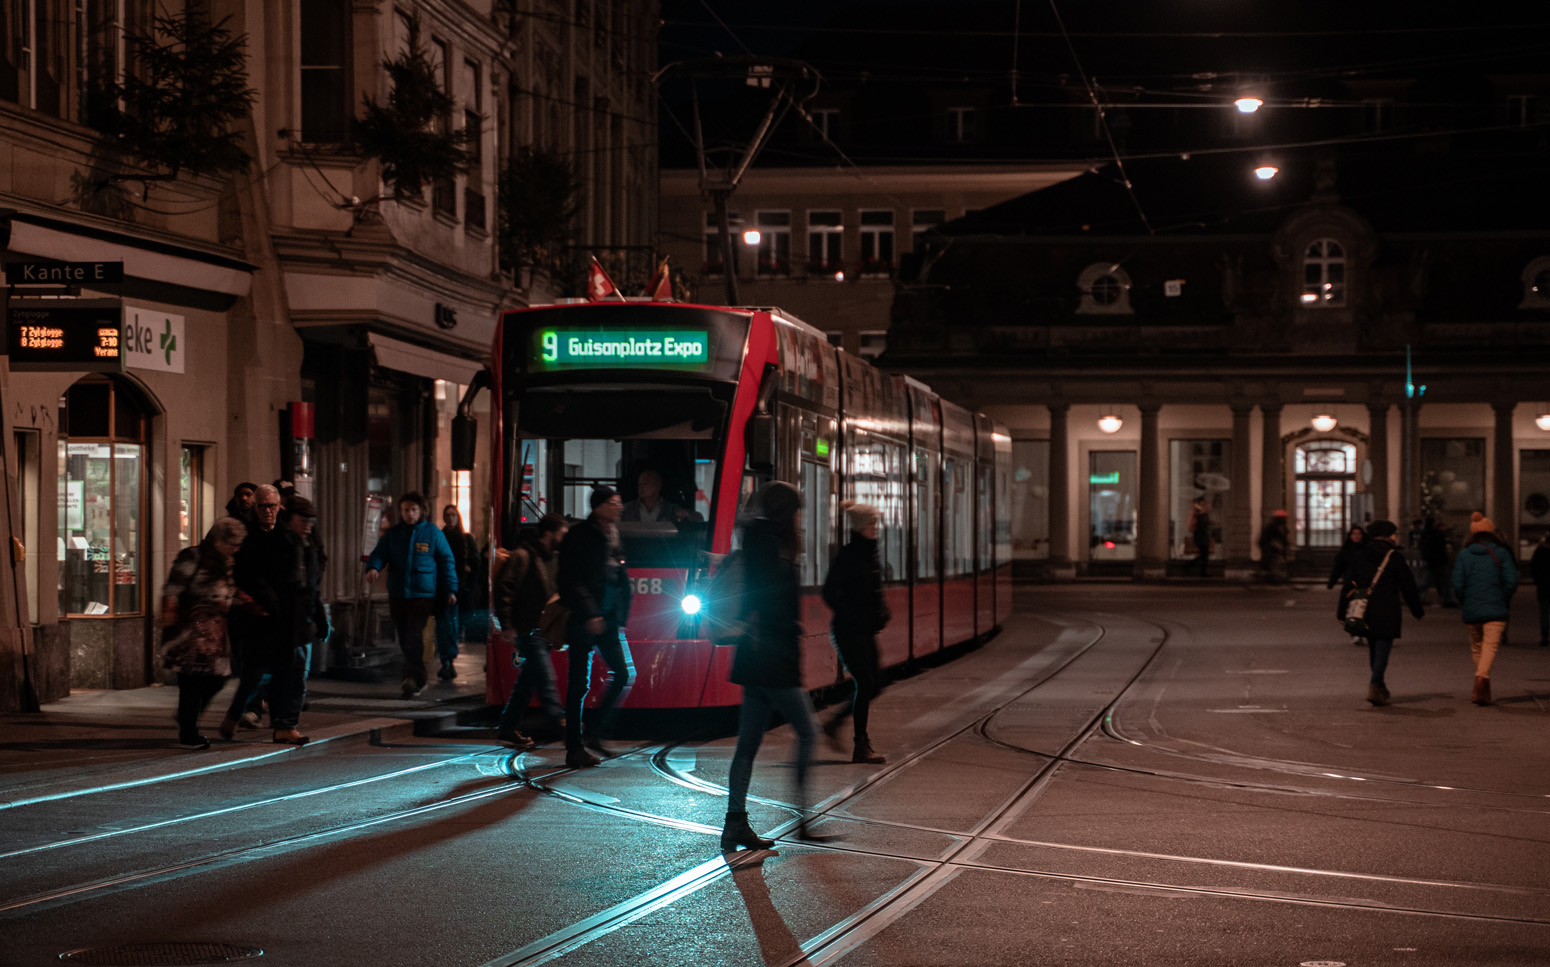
[639, 348]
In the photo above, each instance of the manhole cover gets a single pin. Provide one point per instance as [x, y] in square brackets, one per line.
[136, 954]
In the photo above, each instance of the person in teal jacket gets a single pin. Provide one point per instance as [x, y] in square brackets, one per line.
[1484, 577]
[421, 579]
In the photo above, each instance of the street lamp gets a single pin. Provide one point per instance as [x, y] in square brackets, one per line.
[751, 238]
[1266, 172]
[1248, 105]
[1324, 422]
[1543, 421]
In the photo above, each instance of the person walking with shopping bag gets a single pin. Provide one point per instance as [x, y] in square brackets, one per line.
[1484, 577]
[1376, 581]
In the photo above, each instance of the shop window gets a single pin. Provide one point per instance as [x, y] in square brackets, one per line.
[325, 70]
[1453, 482]
[1030, 499]
[1111, 504]
[29, 480]
[1105, 289]
[1534, 485]
[1323, 274]
[101, 493]
[1198, 469]
[196, 495]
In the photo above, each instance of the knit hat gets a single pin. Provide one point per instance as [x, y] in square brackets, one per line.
[779, 500]
[1479, 522]
[602, 495]
[1381, 529]
[860, 516]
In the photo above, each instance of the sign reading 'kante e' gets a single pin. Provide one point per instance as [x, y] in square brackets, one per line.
[82, 335]
[64, 273]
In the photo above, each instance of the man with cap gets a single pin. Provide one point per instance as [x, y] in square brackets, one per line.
[1380, 566]
[595, 588]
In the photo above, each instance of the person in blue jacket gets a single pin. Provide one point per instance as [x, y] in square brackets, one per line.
[1484, 577]
[421, 579]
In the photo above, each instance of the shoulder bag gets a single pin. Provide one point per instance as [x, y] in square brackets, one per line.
[1356, 602]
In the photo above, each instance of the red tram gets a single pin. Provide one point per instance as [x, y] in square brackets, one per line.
[717, 401]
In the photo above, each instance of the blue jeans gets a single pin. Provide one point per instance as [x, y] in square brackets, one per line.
[1378, 657]
[615, 649]
[537, 675]
[449, 631]
[759, 703]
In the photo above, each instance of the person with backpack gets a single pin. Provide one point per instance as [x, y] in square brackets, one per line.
[1380, 575]
[1484, 577]
[854, 592]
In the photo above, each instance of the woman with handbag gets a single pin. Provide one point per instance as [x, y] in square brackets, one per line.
[1375, 582]
[1348, 551]
[1484, 577]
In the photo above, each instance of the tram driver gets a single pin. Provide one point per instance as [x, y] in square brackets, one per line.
[650, 505]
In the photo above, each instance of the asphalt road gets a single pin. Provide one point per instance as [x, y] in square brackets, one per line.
[1126, 775]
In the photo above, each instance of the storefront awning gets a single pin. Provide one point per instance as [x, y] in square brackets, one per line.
[51, 238]
[406, 357]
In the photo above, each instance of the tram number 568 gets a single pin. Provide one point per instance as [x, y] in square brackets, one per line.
[647, 585]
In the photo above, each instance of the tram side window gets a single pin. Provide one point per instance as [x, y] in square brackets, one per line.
[987, 521]
[925, 515]
[816, 526]
[877, 477]
[958, 521]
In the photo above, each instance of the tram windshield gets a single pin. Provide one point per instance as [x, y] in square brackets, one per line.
[659, 449]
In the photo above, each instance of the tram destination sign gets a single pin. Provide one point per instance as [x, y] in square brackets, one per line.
[75, 335]
[559, 349]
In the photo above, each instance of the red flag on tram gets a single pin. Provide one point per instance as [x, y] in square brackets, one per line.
[660, 287]
[599, 285]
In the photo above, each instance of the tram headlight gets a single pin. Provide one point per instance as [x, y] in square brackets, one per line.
[691, 604]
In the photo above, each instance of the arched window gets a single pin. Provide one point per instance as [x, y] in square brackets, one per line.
[1326, 481]
[1323, 274]
[102, 499]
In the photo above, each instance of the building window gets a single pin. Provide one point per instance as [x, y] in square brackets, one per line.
[29, 480]
[1536, 284]
[1534, 485]
[961, 124]
[1111, 505]
[1326, 482]
[325, 71]
[443, 189]
[874, 342]
[1323, 274]
[196, 495]
[922, 221]
[101, 491]
[1198, 471]
[1522, 110]
[825, 122]
[774, 242]
[1030, 500]
[825, 243]
[877, 242]
[1105, 289]
[1453, 482]
[714, 264]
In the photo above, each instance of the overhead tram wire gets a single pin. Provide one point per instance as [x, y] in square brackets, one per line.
[1102, 120]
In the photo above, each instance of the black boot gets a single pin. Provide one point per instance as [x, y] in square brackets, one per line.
[865, 753]
[805, 833]
[737, 833]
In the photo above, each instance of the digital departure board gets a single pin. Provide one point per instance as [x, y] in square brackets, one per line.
[560, 349]
[66, 335]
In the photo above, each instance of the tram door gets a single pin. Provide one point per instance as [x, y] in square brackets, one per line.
[1326, 484]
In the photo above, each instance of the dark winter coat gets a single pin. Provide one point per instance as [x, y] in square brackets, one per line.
[1383, 614]
[1434, 549]
[279, 570]
[465, 557]
[523, 585]
[1342, 561]
[197, 596]
[1484, 577]
[770, 655]
[854, 589]
[1539, 569]
[418, 561]
[584, 582]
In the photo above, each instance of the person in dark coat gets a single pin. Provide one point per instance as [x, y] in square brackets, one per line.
[595, 588]
[768, 661]
[1274, 539]
[196, 599]
[524, 586]
[449, 621]
[1343, 560]
[1539, 569]
[1484, 576]
[1384, 619]
[1434, 554]
[1200, 534]
[854, 591]
[279, 569]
